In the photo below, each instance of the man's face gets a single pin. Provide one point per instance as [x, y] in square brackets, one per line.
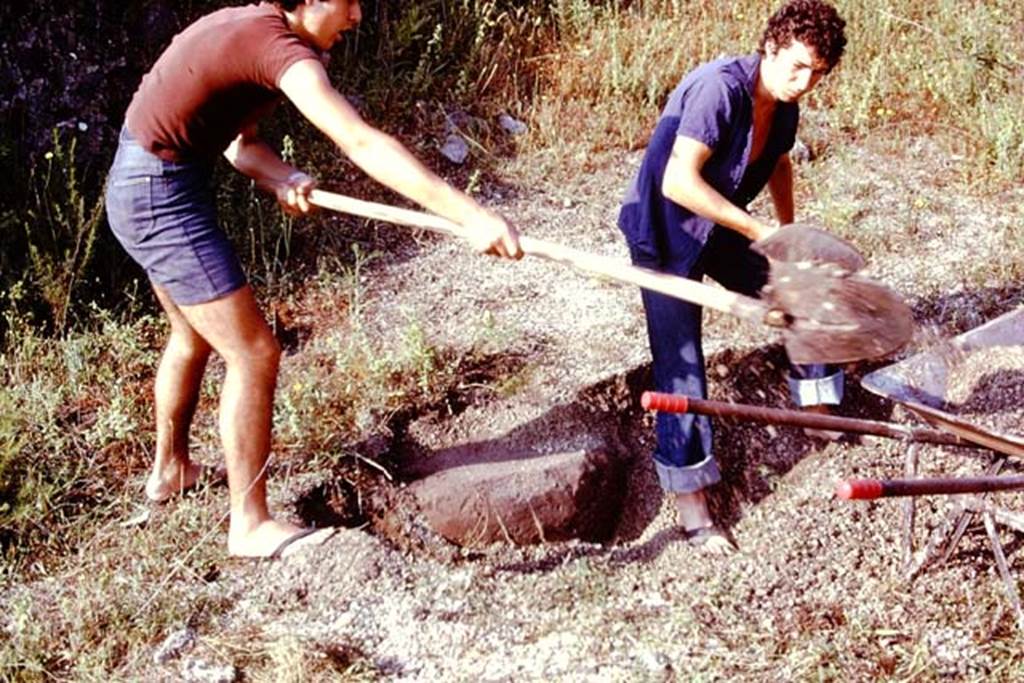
[791, 72]
[326, 20]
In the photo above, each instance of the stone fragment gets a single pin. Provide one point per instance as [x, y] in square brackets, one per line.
[200, 671]
[525, 500]
[175, 645]
[455, 149]
[511, 125]
[801, 152]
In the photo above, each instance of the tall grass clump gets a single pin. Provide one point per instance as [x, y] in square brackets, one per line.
[945, 68]
[952, 69]
[60, 228]
[467, 53]
[72, 417]
[611, 65]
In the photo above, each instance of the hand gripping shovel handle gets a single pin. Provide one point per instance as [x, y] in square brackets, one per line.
[870, 489]
[677, 403]
[614, 269]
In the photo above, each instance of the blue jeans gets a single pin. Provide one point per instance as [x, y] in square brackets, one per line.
[164, 214]
[683, 455]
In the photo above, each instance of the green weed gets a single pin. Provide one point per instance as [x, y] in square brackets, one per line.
[472, 51]
[60, 230]
[70, 417]
[950, 68]
[71, 629]
[262, 234]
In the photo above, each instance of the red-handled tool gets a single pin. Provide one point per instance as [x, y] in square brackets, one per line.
[870, 489]
[677, 403]
[665, 403]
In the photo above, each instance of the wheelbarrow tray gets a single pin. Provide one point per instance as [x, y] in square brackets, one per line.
[920, 381]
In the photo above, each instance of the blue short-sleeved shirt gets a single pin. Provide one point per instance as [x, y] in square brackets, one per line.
[713, 104]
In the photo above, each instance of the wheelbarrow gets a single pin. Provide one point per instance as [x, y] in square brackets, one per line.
[921, 383]
[918, 383]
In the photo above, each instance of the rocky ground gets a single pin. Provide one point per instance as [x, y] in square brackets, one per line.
[819, 589]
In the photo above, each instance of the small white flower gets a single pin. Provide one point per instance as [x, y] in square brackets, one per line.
[83, 126]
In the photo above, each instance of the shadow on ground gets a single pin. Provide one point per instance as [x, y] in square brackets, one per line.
[963, 310]
[753, 457]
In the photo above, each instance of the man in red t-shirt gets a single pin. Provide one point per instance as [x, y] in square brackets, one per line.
[202, 99]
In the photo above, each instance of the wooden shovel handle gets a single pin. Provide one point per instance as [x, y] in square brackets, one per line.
[614, 269]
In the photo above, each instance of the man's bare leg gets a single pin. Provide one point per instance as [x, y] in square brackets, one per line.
[176, 394]
[695, 516]
[234, 326]
[693, 510]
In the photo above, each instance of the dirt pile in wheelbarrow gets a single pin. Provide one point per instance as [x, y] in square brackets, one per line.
[986, 387]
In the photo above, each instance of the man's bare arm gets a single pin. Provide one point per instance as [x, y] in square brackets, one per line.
[386, 160]
[255, 158]
[684, 184]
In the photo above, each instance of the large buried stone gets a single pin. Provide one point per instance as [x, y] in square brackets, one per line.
[534, 499]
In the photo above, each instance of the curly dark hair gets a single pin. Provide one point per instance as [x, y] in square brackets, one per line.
[813, 22]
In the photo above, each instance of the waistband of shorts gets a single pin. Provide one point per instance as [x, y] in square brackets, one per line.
[126, 139]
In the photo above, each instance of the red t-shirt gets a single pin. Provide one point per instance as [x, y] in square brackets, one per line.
[217, 76]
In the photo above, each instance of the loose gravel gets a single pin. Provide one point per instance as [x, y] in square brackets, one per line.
[818, 588]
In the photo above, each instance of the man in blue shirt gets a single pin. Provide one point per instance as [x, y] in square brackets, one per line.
[724, 134]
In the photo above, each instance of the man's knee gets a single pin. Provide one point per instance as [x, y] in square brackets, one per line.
[188, 346]
[261, 353]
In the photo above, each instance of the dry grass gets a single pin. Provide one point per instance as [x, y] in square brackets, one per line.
[939, 83]
[953, 71]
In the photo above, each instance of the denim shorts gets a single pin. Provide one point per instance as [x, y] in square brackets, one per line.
[165, 216]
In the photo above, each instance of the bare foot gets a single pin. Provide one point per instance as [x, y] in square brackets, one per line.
[711, 540]
[164, 484]
[700, 530]
[273, 540]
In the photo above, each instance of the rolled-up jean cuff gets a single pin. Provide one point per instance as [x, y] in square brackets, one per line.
[815, 392]
[689, 478]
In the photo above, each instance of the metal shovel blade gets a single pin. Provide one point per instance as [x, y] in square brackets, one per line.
[799, 242]
[836, 317]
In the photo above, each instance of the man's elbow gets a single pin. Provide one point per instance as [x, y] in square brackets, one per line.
[675, 191]
[363, 146]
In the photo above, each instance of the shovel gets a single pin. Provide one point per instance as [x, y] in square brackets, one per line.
[826, 313]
